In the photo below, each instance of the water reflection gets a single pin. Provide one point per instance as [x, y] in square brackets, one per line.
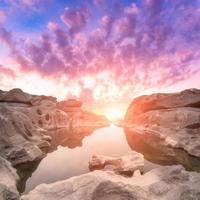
[70, 153]
[65, 137]
[70, 137]
[71, 150]
[154, 151]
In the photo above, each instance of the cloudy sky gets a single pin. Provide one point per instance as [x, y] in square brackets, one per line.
[99, 50]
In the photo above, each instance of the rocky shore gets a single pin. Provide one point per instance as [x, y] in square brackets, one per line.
[164, 183]
[27, 127]
[161, 126]
[167, 120]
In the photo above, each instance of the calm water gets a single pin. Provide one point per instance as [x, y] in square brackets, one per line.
[73, 149]
[66, 162]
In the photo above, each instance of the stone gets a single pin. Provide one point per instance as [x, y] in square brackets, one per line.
[8, 181]
[28, 121]
[169, 182]
[170, 119]
[124, 165]
[28, 126]
[18, 137]
[142, 104]
[70, 103]
[15, 95]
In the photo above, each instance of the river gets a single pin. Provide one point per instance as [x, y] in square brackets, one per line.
[72, 160]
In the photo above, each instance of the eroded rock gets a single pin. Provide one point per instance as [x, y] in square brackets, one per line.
[16, 96]
[162, 183]
[171, 118]
[28, 121]
[124, 165]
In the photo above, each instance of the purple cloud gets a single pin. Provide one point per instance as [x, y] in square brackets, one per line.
[7, 72]
[76, 19]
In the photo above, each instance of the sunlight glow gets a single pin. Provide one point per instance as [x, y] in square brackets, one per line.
[114, 113]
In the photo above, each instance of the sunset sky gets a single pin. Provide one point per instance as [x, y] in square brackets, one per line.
[101, 51]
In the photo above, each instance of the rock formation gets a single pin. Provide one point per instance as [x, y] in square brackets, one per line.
[162, 183]
[170, 120]
[124, 165]
[29, 122]
[169, 123]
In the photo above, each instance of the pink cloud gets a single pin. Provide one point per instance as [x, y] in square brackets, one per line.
[76, 19]
[7, 72]
[2, 16]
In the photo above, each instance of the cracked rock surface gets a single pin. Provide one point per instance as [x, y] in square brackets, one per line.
[164, 183]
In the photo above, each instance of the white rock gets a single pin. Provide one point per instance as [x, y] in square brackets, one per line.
[125, 165]
[164, 183]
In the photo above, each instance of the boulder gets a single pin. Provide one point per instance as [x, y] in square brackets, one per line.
[18, 137]
[169, 119]
[124, 165]
[161, 183]
[142, 104]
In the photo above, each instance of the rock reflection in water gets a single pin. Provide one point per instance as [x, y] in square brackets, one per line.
[65, 137]
[153, 151]
[70, 137]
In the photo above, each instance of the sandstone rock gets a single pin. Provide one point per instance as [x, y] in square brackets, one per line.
[25, 128]
[174, 119]
[125, 165]
[162, 183]
[186, 98]
[38, 100]
[28, 124]
[8, 181]
[18, 137]
[70, 103]
[15, 95]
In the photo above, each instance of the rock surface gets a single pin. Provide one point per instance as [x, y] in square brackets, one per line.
[8, 181]
[25, 127]
[28, 124]
[164, 183]
[124, 165]
[174, 119]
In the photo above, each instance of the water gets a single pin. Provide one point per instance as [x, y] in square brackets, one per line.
[72, 158]
[73, 148]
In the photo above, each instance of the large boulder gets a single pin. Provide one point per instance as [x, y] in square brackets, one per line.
[168, 119]
[162, 183]
[142, 104]
[18, 137]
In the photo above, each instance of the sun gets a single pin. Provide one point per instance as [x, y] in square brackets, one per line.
[114, 113]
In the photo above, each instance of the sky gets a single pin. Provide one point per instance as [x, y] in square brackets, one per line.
[99, 51]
